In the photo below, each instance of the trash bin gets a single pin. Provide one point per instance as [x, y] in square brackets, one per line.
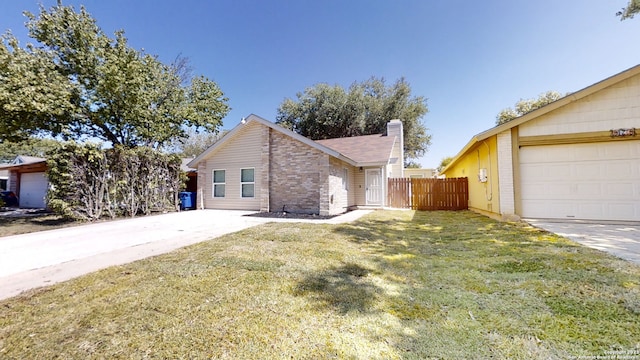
[187, 200]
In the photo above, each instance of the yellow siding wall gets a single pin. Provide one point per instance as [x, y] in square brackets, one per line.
[244, 151]
[483, 197]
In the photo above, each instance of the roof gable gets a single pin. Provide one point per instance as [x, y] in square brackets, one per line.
[254, 118]
[564, 101]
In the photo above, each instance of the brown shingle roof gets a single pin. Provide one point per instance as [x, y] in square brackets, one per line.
[367, 149]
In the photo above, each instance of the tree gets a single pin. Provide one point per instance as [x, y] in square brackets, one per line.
[324, 111]
[630, 10]
[195, 142]
[80, 83]
[29, 147]
[443, 163]
[526, 106]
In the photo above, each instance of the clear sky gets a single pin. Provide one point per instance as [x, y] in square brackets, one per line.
[470, 58]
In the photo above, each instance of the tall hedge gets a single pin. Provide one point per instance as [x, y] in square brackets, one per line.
[88, 182]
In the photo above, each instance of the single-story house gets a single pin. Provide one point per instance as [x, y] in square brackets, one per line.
[415, 173]
[575, 158]
[264, 167]
[27, 180]
[4, 179]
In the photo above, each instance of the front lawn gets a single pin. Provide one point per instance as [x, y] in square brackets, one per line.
[15, 225]
[397, 284]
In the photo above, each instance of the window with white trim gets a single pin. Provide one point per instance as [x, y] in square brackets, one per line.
[219, 183]
[247, 182]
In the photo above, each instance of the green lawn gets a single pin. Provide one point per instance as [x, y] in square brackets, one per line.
[397, 284]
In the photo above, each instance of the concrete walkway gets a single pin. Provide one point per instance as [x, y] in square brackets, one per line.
[32, 260]
[619, 239]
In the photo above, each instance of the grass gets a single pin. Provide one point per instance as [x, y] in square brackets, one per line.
[395, 285]
[27, 224]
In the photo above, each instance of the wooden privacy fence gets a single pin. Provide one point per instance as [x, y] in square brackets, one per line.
[429, 194]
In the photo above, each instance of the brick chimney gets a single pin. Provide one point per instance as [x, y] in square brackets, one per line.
[396, 162]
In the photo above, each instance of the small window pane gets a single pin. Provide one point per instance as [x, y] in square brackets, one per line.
[218, 176]
[246, 175]
[218, 190]
[247, 190]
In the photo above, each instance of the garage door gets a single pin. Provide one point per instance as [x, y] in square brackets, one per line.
[596, 181]
[33, 189]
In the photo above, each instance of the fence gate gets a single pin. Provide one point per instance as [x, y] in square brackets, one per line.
[429, 194]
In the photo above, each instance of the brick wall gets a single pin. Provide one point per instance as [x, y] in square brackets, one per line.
[296, 172]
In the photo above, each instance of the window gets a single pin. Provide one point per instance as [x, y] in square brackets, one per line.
[345, 179]
[218, 183]
[247, 183]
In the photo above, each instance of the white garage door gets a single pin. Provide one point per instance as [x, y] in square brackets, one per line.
[598, 181]
[33, 189]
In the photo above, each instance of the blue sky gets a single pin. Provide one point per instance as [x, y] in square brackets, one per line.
[471, 59]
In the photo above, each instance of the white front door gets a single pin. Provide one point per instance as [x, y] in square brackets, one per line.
[373, 182]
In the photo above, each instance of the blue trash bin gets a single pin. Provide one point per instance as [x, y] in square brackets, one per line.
[187, 200]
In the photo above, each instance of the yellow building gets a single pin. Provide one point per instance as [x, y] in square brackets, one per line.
[576, 158]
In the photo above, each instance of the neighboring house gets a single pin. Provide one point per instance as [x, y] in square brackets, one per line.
[262, 166]
[420, 173]
[4, 179]
[27, 180]
[576, 158]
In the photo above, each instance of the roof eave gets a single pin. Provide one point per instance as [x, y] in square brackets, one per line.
[258, 119]
[568, 99]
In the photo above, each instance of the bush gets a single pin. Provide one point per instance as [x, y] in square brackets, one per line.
[88, 182]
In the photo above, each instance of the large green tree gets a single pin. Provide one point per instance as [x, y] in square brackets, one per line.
[325, 111]
[630, 10]
[29, 147]
[77, 82]
[194, 143]
[524, 106]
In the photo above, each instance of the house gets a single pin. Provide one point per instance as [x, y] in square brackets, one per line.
[27, 179]
[4, 179]
[575, 158]
[415, 173]
[262, 166]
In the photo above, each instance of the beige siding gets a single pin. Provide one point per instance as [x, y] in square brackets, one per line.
[505, 174]
[340, 175]
[612, 108]
[244, 151]
[396, 159]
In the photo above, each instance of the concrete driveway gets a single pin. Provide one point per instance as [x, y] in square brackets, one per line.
[621, 239]
[32, 260]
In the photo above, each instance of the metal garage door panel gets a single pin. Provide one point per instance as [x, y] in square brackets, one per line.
[583, 181]
[33, 189]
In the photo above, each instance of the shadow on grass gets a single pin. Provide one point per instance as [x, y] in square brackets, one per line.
[10, 225]
[343, 289]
